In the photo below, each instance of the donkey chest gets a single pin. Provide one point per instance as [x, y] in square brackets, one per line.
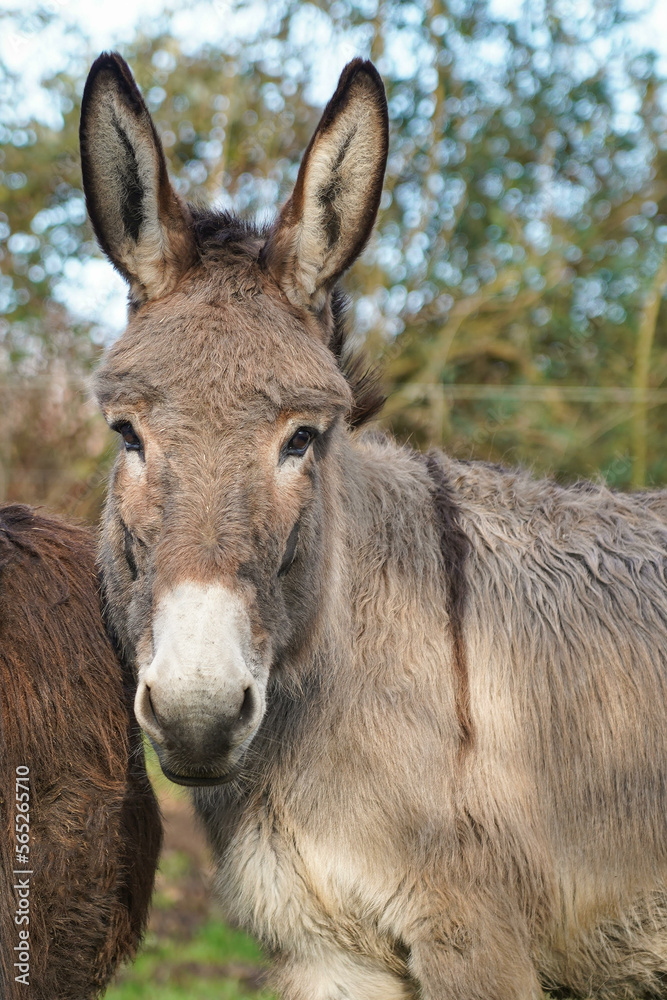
[285, 884]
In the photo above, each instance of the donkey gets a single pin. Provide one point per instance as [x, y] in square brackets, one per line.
[80, 829]
[422, 703]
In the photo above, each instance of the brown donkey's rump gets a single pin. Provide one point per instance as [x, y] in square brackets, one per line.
[65, 714]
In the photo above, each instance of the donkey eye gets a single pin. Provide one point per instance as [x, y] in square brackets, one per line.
[300, 441]
[129, 436]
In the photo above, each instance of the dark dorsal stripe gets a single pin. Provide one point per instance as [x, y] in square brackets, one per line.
[454, 547]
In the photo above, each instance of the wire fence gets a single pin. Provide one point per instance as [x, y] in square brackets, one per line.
[414, 390]
[536, 393]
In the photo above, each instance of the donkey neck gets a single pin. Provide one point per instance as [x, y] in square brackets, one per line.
[385, 581]
[381, 643]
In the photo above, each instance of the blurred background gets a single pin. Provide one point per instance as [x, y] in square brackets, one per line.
[514, 289]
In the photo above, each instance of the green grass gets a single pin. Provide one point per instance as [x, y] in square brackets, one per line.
[218, 963]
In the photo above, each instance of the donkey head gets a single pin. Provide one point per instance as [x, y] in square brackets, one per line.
[232, 408]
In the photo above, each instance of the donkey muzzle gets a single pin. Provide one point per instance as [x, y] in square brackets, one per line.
[199, 700]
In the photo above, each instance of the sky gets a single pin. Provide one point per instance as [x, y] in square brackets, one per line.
[93, 291]
[37, 52]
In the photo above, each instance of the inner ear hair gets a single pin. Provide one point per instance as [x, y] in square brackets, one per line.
[140, 222]
[328, 219]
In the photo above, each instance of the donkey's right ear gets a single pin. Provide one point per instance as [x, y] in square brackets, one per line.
[140, 222]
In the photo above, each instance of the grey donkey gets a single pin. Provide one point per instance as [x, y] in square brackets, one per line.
[422, 703]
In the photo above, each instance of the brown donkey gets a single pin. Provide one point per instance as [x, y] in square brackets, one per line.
[79, 825]
[423, 702]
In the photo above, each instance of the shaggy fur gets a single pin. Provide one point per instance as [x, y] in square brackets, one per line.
[65, 713]
[454, 784]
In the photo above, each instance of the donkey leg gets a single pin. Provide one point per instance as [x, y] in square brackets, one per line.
[336, 975]
[481, 954]
[442, 974]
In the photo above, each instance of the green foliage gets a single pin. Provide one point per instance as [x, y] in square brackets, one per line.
[210, 966]
[515, 283]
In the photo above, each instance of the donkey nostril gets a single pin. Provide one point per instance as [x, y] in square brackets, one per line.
[248, 706]
[146, 715]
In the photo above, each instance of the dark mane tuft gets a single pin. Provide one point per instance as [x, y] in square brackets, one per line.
[223, 232]
[362, 377]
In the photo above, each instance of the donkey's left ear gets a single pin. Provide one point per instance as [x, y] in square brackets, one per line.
[325, 224]
[139, 220]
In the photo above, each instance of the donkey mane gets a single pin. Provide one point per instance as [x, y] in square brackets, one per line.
[454, 549]
[220, 235]
[362, 377]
